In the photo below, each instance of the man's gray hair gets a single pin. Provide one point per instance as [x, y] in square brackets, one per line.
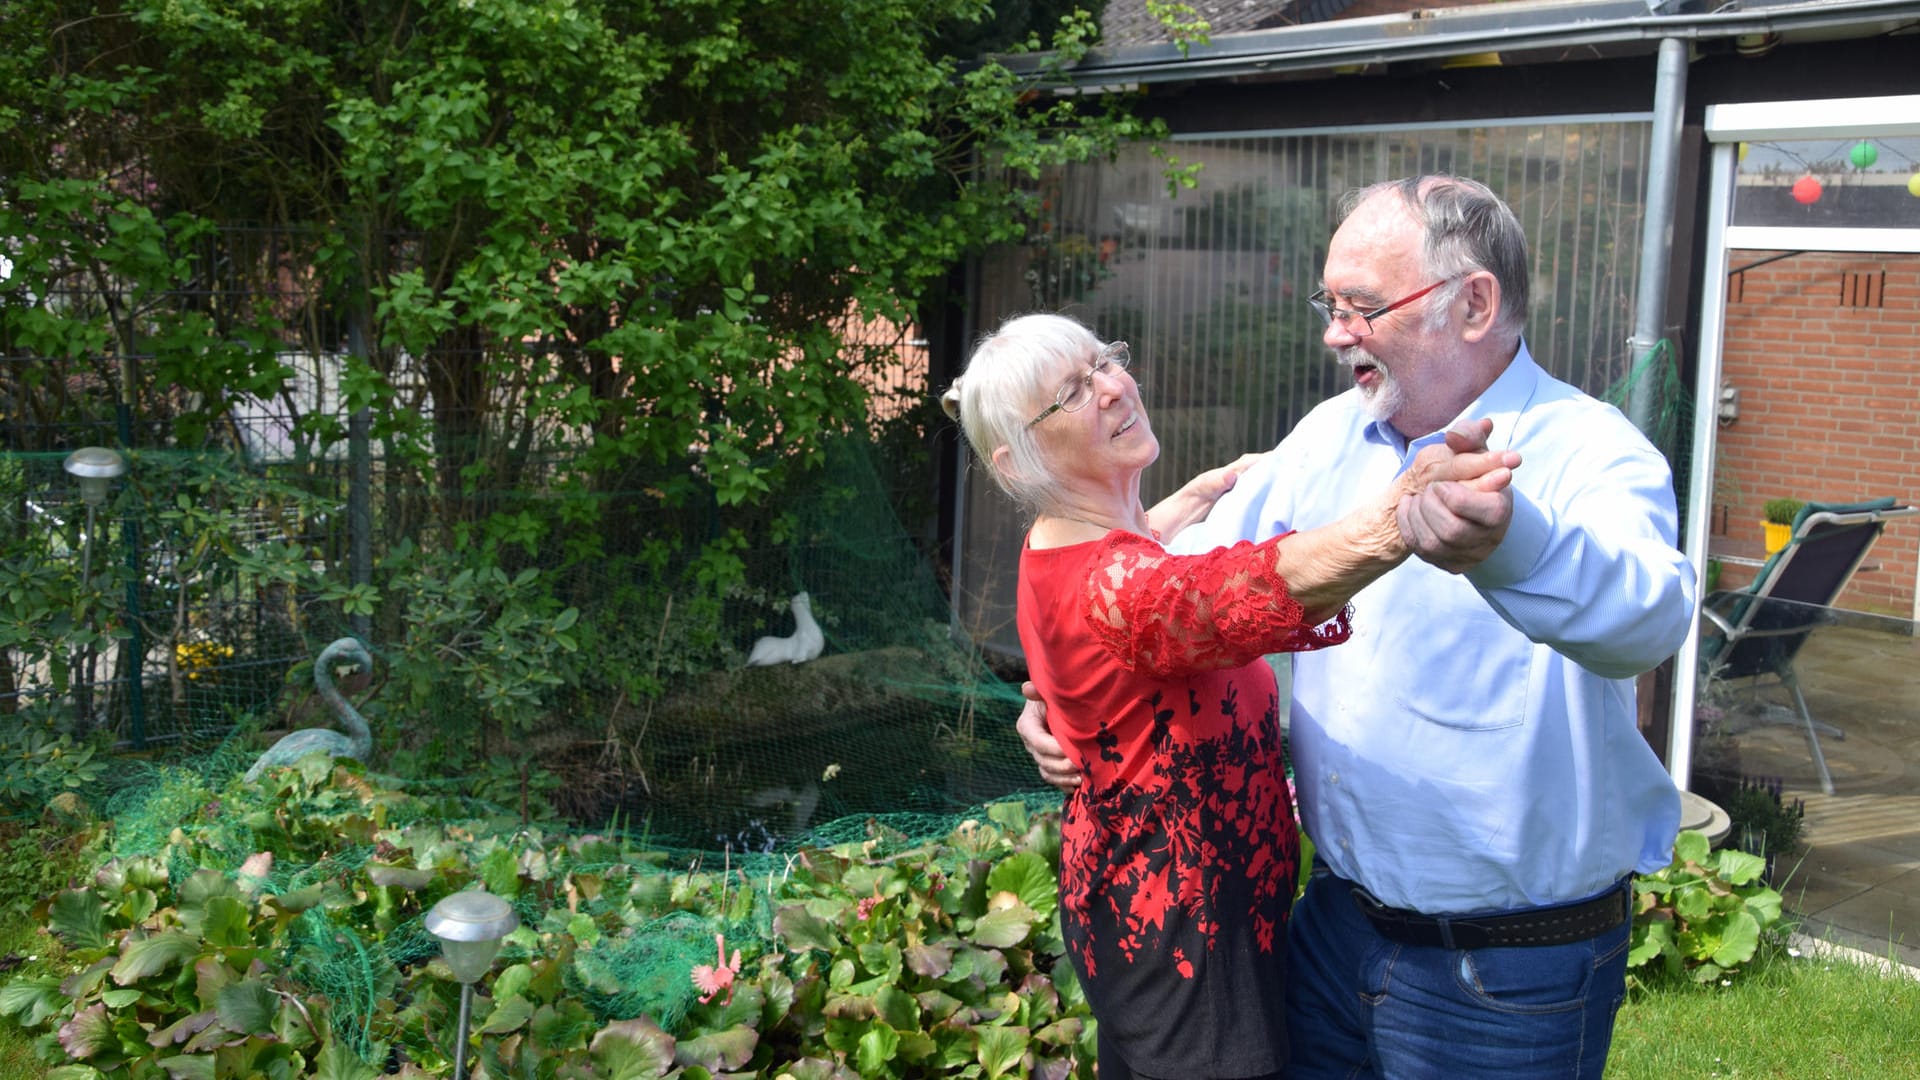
[1468, 228]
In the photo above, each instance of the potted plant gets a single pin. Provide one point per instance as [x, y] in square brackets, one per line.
[1763, 823]
[1777, 518]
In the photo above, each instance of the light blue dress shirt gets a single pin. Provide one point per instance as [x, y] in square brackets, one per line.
[1473, 747]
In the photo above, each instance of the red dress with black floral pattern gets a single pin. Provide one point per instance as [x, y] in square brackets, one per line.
[1179, 849]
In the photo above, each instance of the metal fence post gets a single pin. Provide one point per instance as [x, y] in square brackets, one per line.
[134, 650]
[360, 483]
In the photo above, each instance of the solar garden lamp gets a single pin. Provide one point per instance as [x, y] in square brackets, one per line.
[469, 925]
[96, 468]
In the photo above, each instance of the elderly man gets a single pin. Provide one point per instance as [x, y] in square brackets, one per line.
[1468, 763]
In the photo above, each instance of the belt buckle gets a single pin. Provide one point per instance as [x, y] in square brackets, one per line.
[1371, 906]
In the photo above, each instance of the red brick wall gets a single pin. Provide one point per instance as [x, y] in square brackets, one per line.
[1825, 350]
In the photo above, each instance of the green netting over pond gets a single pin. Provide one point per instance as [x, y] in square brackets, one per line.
[635, 792]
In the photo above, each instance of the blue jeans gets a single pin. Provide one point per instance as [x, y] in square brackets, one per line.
[1359, 1005]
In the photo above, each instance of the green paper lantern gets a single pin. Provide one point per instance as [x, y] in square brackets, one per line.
[1864, 154]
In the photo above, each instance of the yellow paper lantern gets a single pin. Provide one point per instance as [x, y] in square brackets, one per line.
[1913, 185]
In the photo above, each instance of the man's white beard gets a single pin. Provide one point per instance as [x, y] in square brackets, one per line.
[1384, 399]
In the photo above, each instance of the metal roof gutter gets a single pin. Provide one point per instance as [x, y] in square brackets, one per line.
[1446, 32]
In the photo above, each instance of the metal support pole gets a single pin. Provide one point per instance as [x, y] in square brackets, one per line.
[360, 482]
[1656, 229]
[460, 1047]
[135, 649]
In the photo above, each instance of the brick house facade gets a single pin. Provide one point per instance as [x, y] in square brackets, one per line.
[1824, 349]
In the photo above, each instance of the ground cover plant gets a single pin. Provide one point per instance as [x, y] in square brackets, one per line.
[275, 930]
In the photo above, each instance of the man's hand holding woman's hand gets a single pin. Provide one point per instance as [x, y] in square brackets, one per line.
[1456, 502]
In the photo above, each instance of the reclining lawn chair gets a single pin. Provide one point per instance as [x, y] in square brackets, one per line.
[1761, 628]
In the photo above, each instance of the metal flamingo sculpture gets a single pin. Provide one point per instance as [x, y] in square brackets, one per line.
[356, 744]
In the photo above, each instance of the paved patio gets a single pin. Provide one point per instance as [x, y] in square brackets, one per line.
[1856, 879]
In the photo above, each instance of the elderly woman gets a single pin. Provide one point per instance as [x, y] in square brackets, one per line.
[1179, 852]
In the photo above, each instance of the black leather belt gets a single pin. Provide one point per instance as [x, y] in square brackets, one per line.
[1562, 924]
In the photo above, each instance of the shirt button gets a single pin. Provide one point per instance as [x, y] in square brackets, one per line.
[1333, 778]
[1346, 841]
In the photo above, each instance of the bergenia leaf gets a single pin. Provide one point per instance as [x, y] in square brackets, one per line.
[877, 1047]
[248, 1006]
[1027, 876]
[501, 873]
[336, 1062]
[202, 886]
[146, 872]
[1011, 814]
[897, 1008]
[939, 1004]
[931, 961]
[84, 982]
[88, 1033]
[79, 919]
[1001, 1049]
[189, 1067]
[225, 922]
[1740, 867]
[31, 1001]
[151, 956]
[182, 1029]
[1738, 940]
[1004, 927]
[507, 1016]
[631, 1050]
[721, 1051]
[800, 930]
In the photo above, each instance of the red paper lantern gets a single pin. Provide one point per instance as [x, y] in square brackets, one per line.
[1806, 190]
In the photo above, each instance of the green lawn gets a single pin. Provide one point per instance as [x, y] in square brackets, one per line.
[1796, 1018]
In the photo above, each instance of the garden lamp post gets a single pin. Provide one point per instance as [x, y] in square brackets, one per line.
[469, 925]
[96, 468]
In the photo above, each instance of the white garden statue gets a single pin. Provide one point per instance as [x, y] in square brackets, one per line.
[799, 647]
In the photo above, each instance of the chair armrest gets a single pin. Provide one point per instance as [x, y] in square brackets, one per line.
[1718, 620]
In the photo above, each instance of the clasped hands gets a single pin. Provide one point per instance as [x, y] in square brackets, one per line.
[1453, 503]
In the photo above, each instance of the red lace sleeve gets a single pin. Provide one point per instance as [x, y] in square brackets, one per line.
[1166, 615]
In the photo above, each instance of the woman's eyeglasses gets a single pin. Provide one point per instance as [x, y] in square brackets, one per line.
[1077, 391]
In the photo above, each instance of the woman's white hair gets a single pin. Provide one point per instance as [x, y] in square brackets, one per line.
[995, 399]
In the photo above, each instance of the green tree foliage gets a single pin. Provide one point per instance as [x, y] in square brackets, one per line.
[578, 248]
[638, 224]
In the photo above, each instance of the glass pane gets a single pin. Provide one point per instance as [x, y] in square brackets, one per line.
[1209, 285]
[1844, 859]
[1829, 183]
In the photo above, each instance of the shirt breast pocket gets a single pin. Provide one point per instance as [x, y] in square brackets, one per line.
[1474, 675]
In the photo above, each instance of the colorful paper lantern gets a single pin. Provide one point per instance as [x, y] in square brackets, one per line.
[1864, 154]
[1806, 190]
